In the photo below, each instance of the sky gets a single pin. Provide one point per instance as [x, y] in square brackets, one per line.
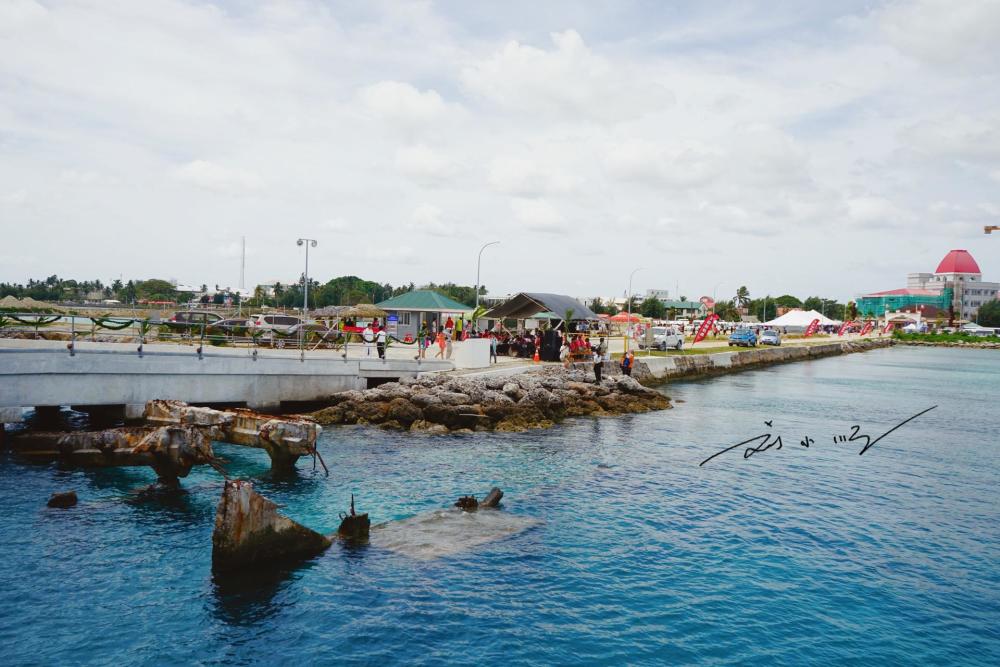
[792, 147]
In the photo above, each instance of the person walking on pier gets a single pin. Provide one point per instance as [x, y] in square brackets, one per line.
[380, 340]
[440, 344]
[423, 342]
[368, 336]
[493, 349]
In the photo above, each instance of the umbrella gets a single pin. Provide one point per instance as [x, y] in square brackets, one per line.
[623, 317]
[363, 310]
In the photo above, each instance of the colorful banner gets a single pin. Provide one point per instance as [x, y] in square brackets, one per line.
[705, 327]
[867, 329]
[812, 328]
[708, 302]
[888, 327]
[844, 327]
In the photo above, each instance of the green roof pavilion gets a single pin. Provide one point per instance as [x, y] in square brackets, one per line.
[424, 300]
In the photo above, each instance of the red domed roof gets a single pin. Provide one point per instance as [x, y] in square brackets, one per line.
[958, 261]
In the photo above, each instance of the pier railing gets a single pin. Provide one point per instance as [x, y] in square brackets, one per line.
[117, 329]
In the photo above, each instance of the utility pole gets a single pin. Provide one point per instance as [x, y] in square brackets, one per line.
[305, 295]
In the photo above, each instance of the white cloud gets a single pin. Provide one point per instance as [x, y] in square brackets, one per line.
[398, 101]
[961, 137]
[423, 164]
[569, 81]
[685, 165]
[944, 32]
[217, 178]
[876, 212]
[528, 178]
[538, 215]
[14, 198]
[338, 225]
[426, 219]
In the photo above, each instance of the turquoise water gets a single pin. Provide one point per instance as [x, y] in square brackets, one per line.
[793, 556]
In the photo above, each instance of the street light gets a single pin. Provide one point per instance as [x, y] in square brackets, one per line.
[479, 261]
[305, 293]
[714, 290]
[628, 298]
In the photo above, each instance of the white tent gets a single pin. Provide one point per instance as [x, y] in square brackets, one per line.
[799, 319]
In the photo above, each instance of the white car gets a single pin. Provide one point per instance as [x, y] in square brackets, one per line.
[662, 338]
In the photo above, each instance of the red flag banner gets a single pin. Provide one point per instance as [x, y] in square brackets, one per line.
[888, 327]
[813, 327]
[844, 327]
[867, 329]
[705, 327]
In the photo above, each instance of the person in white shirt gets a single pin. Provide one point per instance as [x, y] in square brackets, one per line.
[380, 339]
[368, 335]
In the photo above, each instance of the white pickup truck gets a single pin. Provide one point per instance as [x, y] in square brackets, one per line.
[662, 338]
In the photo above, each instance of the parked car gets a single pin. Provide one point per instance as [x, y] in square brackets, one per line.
[231, 327]
[275, 328]
[187, 321]
[743, 337]
[770, 337]
[663, 338]
[279, 322]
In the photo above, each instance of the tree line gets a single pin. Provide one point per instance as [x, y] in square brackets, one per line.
[341, 291]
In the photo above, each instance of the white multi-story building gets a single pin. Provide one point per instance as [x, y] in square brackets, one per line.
[960, 272]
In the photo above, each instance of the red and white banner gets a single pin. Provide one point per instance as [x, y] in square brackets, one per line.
[888, 327]
[705, 327]
[844, 327]
[708, 301]
[813, 327]
[867, 329]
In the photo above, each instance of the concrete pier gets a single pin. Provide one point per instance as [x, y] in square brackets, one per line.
[37, 373]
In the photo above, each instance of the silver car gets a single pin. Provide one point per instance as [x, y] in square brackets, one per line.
[770, 337]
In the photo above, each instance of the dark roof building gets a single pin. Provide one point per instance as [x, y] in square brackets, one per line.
[526, 304]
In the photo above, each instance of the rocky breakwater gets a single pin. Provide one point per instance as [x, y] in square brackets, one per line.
[653, 370]
[984, 345]
[447, 404]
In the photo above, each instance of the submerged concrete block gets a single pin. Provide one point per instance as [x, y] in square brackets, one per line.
[249, 532]
[63, 500]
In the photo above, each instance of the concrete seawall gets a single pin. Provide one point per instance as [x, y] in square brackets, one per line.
[36, 373]
[656, 370]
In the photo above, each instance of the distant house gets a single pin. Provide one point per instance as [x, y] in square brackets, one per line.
[423, 306]
[685, 309]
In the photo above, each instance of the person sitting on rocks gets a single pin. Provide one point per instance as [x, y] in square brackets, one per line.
[628, 361]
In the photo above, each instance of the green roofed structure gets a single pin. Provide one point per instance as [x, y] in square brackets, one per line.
[423, 306]
[685, 309]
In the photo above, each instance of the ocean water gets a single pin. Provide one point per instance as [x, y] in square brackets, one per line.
[629, 552]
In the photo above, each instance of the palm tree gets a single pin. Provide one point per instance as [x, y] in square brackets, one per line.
[742, 296]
